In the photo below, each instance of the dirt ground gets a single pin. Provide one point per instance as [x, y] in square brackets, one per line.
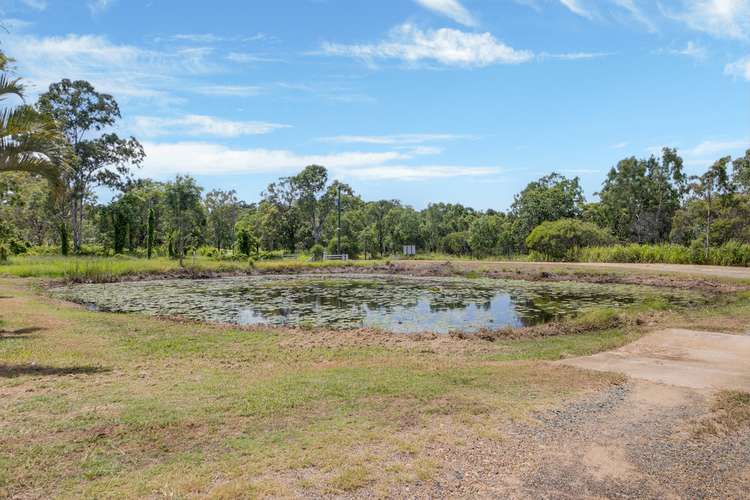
[637, 440]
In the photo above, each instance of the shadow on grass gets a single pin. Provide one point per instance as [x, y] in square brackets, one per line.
[12, 371]
[19, 333]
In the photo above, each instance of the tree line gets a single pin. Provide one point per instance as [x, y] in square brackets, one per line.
[55, 153]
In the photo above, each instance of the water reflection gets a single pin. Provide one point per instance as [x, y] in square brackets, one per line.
[392, 303]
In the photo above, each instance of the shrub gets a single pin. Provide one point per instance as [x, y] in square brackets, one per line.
[348, 246]
[563, 238]
[317, 251]
[4, 252]
[456, 243]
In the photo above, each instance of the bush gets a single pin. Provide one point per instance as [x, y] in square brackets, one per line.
[4, 252]
[563, 238]
[456, 243]
[317, 252]
[348, 246]
[207, 251]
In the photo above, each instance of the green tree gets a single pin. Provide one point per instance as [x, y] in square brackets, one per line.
[741, 172]
[485, 234]
[99, 160]
[639, 198]
[30, 141]
[550, 198]
[223, 209]
[713, 187]
[185, 211]
[151, 232]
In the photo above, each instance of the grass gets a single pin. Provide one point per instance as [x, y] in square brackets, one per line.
[730, 412]
[118, 405]
[104, 269]
[729, 254]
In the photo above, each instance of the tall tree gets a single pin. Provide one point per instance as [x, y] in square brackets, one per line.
[99, 159]
[550, 198]
[183, 201]
[715, 185]
[639, 198]
[741, 172]
[223, 208]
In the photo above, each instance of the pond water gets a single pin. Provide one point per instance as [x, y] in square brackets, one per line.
[397, 304]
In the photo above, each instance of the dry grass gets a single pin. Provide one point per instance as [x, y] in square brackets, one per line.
[729, 413]
[113, 405]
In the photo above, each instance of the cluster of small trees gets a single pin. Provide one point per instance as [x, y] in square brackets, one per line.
[54, 155]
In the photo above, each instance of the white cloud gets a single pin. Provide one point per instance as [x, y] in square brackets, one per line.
[125, 71]
[229, 90]
[447, 46]
[720, 18]
[739, 69]
[36, 4]
[620, 145]
[636, 13]
[201, 125]
[99, 6]
[198, 37]
[713, 148]
[247, 57]
[451, 9]
[575, 7]
[691, 49]
[201, 158]
[575, 56]
[417, 173]
[12, 24]
[396, 139]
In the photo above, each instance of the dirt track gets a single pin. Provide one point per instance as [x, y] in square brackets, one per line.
[740, 273]
[637, 440]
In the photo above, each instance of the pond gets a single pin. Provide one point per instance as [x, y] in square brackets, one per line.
[392, 303]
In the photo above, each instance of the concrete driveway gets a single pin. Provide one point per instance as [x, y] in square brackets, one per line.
[685, 358]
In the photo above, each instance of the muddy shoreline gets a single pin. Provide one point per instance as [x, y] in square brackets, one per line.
[450, 269]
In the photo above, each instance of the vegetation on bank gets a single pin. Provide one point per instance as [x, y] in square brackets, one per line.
[731, 253]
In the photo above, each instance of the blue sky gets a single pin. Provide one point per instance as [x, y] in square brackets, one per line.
[422, 100]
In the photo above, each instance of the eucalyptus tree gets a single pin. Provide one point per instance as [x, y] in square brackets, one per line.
[223, 210]
[712, 187]
[549, 198]
[640, 197]
[185, 213]
[100, 158]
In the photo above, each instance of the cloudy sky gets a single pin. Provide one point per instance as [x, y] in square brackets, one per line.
[423, 100]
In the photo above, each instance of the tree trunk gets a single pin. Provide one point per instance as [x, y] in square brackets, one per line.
[708, 225]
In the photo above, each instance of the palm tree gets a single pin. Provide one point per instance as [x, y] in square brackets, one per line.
[29, 140]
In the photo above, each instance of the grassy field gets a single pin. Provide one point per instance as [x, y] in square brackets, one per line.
[108, 405]
[103, 405]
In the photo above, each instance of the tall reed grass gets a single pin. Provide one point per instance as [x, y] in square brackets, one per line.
[730, 254]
